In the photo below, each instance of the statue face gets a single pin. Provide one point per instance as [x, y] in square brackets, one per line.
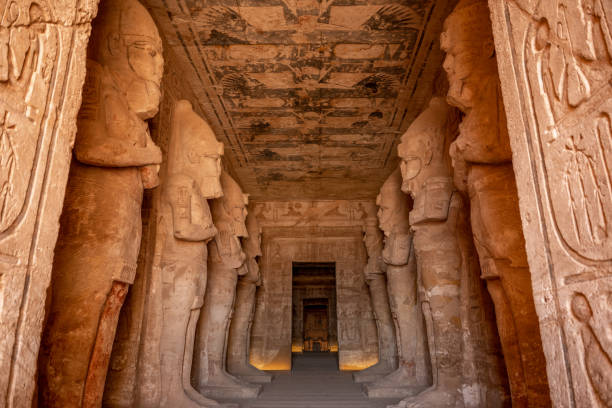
[469, 61]
[414, 157]
[385, 214]
[238, 213]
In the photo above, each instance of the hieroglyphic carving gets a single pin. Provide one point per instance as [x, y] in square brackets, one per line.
[555, 70]
[42, 69]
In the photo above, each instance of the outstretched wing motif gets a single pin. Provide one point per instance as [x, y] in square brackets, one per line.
[236, 85]
[224, 19]
[377, 84]
[393, 17]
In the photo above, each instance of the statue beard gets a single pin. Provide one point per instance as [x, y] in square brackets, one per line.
[143, 97]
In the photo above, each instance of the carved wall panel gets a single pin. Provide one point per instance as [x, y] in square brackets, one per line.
[554, 62]
[42, 69]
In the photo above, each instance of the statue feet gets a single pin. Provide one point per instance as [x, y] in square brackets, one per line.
[222, 385]
[399, 384]
[182, 399]
[377, 371]
[251, 374]
[438, 397]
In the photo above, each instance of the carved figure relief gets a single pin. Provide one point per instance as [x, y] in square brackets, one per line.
[413, 374]
[194, 168]
[42, 67]
[483, 149]
[226, 262]
[115, 159]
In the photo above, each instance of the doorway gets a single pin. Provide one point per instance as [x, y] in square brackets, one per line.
[314, 320]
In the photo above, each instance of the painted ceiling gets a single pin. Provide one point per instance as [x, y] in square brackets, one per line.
[310, 97]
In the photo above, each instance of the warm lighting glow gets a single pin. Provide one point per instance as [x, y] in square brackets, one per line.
[297, 348]
[359, 365]
[333, 348]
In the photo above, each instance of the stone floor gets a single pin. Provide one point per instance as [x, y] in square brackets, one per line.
[314, 382]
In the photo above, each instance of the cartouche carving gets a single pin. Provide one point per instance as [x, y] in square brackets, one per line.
[414, 373]
[226, 261]
[244, 309]
[115, 159]
[482, 148]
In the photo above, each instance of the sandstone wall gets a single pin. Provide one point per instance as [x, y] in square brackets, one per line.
[42, 70]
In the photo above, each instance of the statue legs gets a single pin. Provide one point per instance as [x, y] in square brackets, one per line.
[440, 265]
[81, 326]
[240, 331]
[182, 293]
[212, 379]
[387, 346]
[412, 374]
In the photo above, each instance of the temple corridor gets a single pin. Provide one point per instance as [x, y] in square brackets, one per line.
[314, 382]
[305, 203]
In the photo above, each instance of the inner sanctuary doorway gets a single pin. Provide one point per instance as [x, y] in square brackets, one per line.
[314, 320]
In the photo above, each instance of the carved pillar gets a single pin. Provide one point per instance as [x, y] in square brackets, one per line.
[42, 69]
[244, 309]
[555, 70]
[377, 284]
[95, 258]
[482, 155]
[413, 373]
[439, 221]
[225, 262]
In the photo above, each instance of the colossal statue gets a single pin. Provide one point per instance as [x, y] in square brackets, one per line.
[115, 159]
[413, 373]
[225, 262]
[194, 168]
[446, 270]
[244, 309]
[374, 273]
[482, 149]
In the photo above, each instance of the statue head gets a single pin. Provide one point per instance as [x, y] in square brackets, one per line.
[194, 150]
[470, 61]
[393, 206]
[474, 87]
[126, 41]
[424, 147]
[233, 211]
[425, 165]
[373, 240]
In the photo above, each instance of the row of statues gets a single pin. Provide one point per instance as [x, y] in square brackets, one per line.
[428, 257]
[447, 217]
[199, 256]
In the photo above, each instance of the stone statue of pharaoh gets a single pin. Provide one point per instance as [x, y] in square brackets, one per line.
[114, 160]
[244, 309]
[194, 168]
[413, 373]
[426, 172]
[374, 274]
[225, 262]
[482, 149]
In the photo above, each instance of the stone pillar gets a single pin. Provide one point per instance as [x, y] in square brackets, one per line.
[439, 221]
[194, 168]
[42, 69]
[483, 169]
[225, 262]
[95, 258]
[377, 283]
[555, 71]
[244, 309]
[413, 373]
